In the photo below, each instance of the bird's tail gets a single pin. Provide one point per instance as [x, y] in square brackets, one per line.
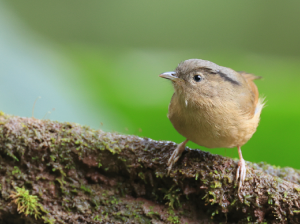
[259, 106]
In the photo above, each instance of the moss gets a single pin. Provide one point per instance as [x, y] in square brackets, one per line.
[9, 153]
[61, 181]
[246, 202]
[172, 196]
[216, 184]
[53, 157]
[172, 217]
[48, 220]
[228, 178]
[26, 203]
[50, 157]
[142, 176]
[86, 189]
[96, 218]
[249, 218]
[214, 213]
[159, 174]
[152, 213]
[114, 200]
[297, 189]
[16, 170]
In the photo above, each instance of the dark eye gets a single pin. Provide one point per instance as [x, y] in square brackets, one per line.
[197, 78]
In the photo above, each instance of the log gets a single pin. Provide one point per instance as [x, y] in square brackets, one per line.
[54, 172]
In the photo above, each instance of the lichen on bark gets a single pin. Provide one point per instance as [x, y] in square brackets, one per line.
[81, 175]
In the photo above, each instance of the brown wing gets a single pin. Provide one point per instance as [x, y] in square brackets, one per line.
[253, 90]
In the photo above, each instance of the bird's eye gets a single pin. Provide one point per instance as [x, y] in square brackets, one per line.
[197, 78]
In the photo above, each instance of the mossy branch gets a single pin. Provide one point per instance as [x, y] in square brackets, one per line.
[81, 175]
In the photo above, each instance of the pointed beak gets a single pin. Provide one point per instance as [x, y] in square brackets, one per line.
[169, 75]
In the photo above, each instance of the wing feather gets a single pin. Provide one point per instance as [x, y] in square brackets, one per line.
[253, 90]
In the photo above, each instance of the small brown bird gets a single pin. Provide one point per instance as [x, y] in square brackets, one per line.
[213, 106]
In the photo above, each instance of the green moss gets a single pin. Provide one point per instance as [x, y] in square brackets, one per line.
[172, 217]
[228, 178]
[215, 213]
[233, 202]
[159, 174]
[214, 199]
[249, 218]
[114, 200]
[86, 189]
[173, 196]
[53, 158]
[217, 184]
[297, 189]
[113, 150]
[96, 218]
[215, 177]
[270, 200]
[16, 170]
[12, 156]
[152, 213]
[204, 181]
[142, 176]
[197, 175]
[205, 196]
[27, 204]
[48, 220]
[246, 202]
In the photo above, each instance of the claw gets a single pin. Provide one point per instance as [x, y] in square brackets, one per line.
[176, 155]
[241, 170]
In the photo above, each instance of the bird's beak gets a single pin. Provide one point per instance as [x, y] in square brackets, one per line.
[169, 75]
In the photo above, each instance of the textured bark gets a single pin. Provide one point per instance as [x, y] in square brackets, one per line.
[81, 175]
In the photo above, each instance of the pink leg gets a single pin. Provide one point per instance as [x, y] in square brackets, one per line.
[176, 154]
[241, 171]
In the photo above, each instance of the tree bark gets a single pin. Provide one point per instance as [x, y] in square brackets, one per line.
[81, 175]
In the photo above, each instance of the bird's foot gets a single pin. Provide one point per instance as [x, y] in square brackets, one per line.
[176, 155]
[241, 172]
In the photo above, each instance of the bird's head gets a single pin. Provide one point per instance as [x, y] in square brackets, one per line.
[200, 78]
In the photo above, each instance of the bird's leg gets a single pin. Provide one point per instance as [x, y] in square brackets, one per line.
[241, 170]
[176, 154]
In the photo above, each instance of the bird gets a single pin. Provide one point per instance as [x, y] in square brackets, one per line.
[214, 107]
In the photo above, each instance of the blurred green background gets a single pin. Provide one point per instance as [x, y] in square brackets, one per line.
[98, 61]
